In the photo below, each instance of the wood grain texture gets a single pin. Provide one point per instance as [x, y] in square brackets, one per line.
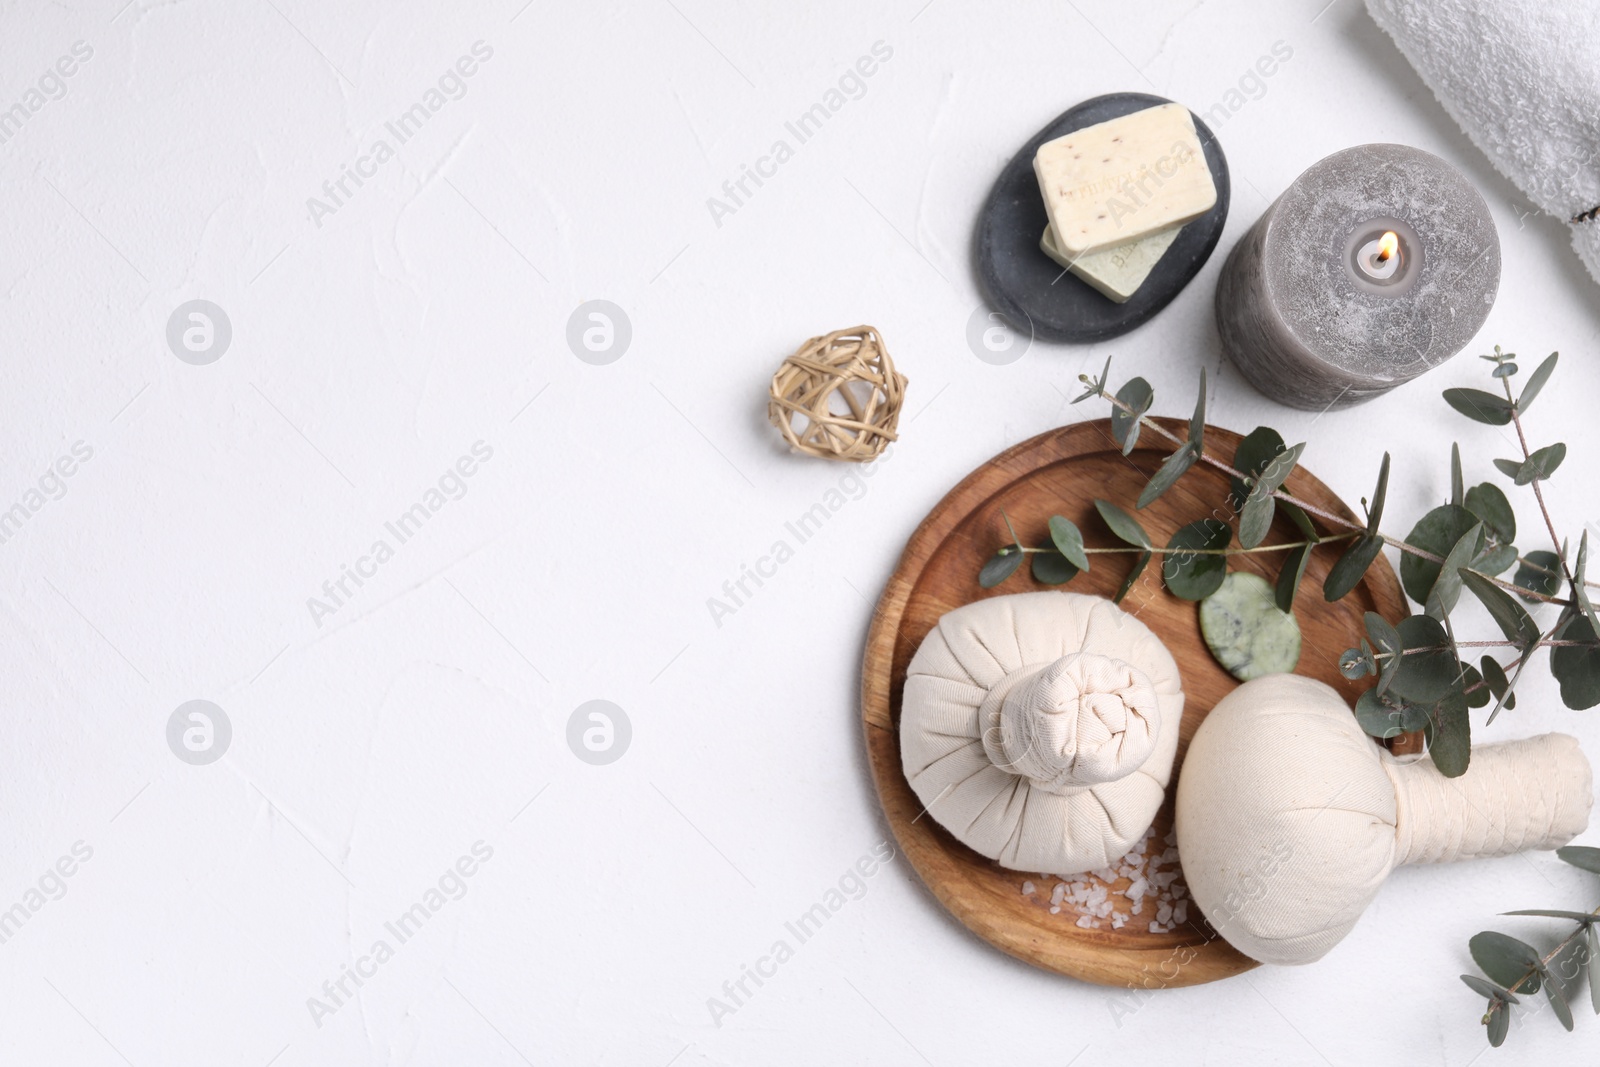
[1061, 473]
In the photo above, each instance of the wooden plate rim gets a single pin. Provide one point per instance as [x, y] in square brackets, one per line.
[1051, 946]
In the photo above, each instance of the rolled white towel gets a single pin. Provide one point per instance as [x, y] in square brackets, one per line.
[1522, 80]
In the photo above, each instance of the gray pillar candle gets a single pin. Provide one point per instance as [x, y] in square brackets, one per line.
[1377, 264]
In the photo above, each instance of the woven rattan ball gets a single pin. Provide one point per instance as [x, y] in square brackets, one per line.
[839, 397]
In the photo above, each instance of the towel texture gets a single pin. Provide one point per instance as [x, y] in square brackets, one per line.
[1522, 80]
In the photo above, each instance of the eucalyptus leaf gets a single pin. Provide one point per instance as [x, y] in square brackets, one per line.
[1138, 395]
[1494, 676]
[1555, 913]
[1480, 406]
[1437, 532]
[1567, 964]
[1301, 520]
[1097, 386]
[1002, 565]
[1386, 639]
[1477, 694]
[1556, 992]
[1509, 467]
[1139, 563]
[1194, 567]
[1540, 573]
[1357, 662]
[1429, 670]
[1294, 569]
[1496, 560]
[1584, 857]
[1536, 380]
[1484, 987]
[1512, 618]
[1577, 667]
[1050, 568]
[1197, 421]
[1414, 717]
[1509, 699]
[1488, 501]
[1504, 370]
[1457, 482]
[1580, 591]
[1377, 716]
[1124, 526]
[1450, 743]
[1255, 520]
[1171, 470]
[1446, 591]
[1375, 511]
[1456, 479]
[1542, 464]
[1068, 541]
[1347, 572]
[1278, 469]
[1591, 937]
[1506, 960]
[1499, 1022]
[1256, 449]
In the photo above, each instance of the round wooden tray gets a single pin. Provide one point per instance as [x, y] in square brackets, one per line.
[1061, 473]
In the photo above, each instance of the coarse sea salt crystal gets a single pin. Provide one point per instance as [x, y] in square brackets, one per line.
[1027, 889]
[1180, 911]
[1136, 890]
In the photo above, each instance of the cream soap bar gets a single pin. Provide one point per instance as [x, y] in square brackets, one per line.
[1124, 179]
[1120, 270]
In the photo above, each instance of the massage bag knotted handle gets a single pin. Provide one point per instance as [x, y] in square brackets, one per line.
[1040, 729]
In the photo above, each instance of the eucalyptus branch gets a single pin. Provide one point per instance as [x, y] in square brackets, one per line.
[1511, 966]
[1538, 494]
[1541, 643]
[1457, 547]
[1549, 957]
[1158, 551]
[1148, 423]
[1532, 566]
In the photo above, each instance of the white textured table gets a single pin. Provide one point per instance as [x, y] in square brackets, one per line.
[378, 336]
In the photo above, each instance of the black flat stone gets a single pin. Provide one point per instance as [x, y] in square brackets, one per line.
[1032, 291]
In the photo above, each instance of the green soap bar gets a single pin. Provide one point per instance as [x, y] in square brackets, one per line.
[1245, 630]
[1116, 272]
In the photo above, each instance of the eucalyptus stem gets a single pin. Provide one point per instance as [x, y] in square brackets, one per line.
[1532, 566]
[1544, 962]
[1154, 550]
[1538, 494]
[1541, 643]
[1312, 509]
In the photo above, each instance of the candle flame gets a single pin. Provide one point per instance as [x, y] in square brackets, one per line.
[1388, 245]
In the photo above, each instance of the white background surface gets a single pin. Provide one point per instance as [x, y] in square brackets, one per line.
[429, 313]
